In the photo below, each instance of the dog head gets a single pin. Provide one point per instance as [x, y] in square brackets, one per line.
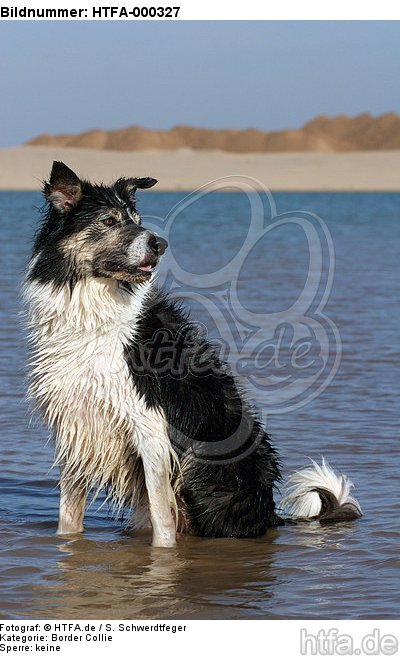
[94, 230]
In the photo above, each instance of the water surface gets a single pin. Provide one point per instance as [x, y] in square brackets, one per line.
[308, 571]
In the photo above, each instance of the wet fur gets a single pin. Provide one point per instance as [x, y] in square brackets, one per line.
[150, 436]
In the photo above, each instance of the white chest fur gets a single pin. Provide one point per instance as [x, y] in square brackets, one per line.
[81, 382]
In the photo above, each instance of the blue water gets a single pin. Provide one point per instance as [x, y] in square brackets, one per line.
[348, 413]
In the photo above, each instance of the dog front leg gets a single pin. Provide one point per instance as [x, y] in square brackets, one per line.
[160, 496]
[72, 509]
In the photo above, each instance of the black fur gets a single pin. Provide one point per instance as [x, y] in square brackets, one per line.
[226, 491]
[332, 512]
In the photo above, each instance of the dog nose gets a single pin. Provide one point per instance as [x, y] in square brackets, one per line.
[157, 244]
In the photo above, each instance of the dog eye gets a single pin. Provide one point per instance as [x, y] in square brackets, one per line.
[110, 221]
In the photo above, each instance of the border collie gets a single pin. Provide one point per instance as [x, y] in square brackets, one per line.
[152, 436]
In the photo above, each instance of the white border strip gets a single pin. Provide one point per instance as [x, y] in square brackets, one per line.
[306, 638]
[134, 10]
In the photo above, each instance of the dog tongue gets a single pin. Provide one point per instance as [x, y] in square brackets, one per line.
[146, 267]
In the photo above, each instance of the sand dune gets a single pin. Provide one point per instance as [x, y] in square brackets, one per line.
[26, 166]
[323, 134]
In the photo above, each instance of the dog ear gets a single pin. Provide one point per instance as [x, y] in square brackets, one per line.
[144, 183]
[131, 184]
[64, 189]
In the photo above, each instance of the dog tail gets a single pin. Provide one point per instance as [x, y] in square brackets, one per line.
[318, 493]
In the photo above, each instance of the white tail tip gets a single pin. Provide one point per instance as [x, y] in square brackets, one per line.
[316, 492]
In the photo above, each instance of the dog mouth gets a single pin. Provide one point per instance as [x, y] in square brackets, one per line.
[129, 273]
[147, 268]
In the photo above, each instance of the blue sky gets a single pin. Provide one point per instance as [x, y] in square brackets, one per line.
[69, 76]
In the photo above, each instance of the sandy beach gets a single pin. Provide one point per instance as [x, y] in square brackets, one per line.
[24, 167]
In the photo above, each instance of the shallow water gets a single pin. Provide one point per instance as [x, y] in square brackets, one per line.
[307, 571]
